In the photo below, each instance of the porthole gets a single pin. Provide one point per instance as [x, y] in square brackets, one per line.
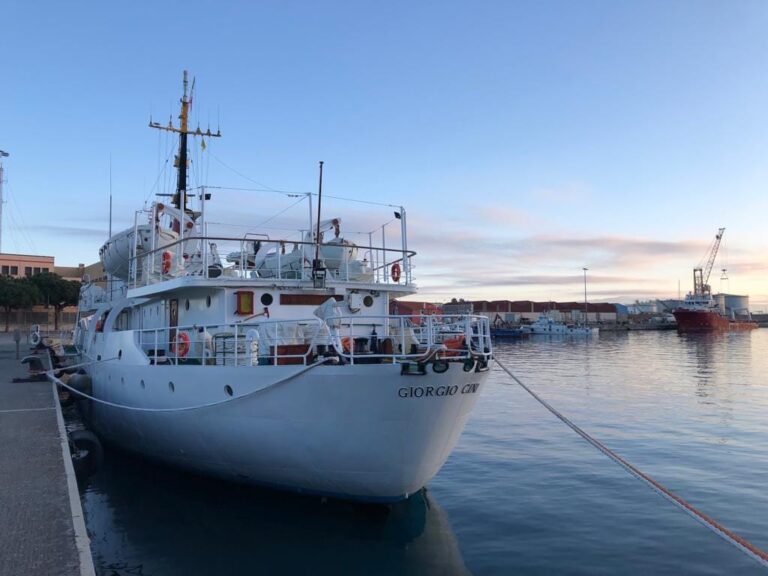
[208, 301]
[186, 305]
[143, 385]
[171, 386]
[368, 301]
[228, 390]
[267, 299]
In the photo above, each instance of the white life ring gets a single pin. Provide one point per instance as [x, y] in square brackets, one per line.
[34, 338]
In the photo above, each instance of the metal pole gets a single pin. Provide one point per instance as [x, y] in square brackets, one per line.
[2, 155]
[586, 313]
[304, 246]
[1, 207]
[110, 196]
[385, 266]
[203, 231]
[318, 270]
[319, 208]
[404, 237]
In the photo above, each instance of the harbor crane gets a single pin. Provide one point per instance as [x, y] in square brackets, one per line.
[701, 275]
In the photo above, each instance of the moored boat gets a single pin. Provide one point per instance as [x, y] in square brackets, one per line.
[278, 365]
[700, 312]
[547, 324]
[703, 314]
[708, 321]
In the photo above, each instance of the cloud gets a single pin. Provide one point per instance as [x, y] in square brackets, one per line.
[74, 231]
[440, 244]
[480, 262]
[505, 216]
[569, 194]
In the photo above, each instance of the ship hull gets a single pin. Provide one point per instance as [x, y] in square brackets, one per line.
[708, 321]
[365, 432]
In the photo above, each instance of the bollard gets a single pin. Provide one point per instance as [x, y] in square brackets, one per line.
[17, 339]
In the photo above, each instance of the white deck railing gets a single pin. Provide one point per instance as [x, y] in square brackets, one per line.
[343, 339]
[217, 257]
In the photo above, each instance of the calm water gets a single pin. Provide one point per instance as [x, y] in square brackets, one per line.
[520, 494]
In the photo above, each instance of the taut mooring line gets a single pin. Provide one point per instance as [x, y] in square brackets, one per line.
[742, 544]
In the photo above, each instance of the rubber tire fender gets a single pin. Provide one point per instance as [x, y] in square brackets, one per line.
[87, 453]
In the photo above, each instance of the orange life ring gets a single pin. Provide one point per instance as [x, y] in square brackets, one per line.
[181, 345]
[167, 259]
[395, 272]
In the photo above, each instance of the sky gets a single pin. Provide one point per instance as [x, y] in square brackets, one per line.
[527, 140]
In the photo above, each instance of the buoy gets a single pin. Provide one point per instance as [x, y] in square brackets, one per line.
[181, 345]
[87, 453]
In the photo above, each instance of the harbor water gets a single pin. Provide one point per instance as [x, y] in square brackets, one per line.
[520, 494]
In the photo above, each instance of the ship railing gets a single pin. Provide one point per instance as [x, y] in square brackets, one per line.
[225, 257]
[404, 338]
[335, 340]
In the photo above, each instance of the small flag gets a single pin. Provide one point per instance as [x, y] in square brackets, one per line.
[202, 143]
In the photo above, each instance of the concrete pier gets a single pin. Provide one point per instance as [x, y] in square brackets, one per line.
[42, 530]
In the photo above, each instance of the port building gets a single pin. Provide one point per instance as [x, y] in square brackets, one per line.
[521, 311]
[24, 265]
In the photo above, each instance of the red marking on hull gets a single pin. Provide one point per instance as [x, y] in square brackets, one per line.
[708, 321]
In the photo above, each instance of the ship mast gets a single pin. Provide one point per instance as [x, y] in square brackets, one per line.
[180, 197]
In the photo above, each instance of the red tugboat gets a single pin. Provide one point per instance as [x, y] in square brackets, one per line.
[700, 312]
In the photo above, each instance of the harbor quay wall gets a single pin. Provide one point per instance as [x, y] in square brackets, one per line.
[43, 530]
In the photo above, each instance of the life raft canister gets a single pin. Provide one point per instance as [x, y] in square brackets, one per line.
[395, 272]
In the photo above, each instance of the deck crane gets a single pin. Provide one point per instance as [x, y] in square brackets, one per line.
[701, 275]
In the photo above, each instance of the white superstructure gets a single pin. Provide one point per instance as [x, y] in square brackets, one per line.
[271, 361]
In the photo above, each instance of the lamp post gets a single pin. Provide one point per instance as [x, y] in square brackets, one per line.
[586, 314]
[3, 154]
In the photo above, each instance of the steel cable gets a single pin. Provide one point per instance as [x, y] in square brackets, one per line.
[742, 544]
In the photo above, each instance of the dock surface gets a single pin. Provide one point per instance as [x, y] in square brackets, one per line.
[41, 523]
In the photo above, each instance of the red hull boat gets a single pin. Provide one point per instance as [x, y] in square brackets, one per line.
[689, 320]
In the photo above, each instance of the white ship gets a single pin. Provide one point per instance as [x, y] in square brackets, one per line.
[278, 364]
[547, 324]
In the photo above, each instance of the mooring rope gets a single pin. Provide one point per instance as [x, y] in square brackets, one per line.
[742, 544]
[306, 368]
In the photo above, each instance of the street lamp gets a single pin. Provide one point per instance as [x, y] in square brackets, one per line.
[3, 154]
[586, 314]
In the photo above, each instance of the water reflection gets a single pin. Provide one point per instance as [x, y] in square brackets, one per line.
[702, 351]
[715, 354]
[149, 520]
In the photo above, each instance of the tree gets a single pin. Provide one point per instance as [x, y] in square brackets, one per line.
[16, 293]
[56, 292]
